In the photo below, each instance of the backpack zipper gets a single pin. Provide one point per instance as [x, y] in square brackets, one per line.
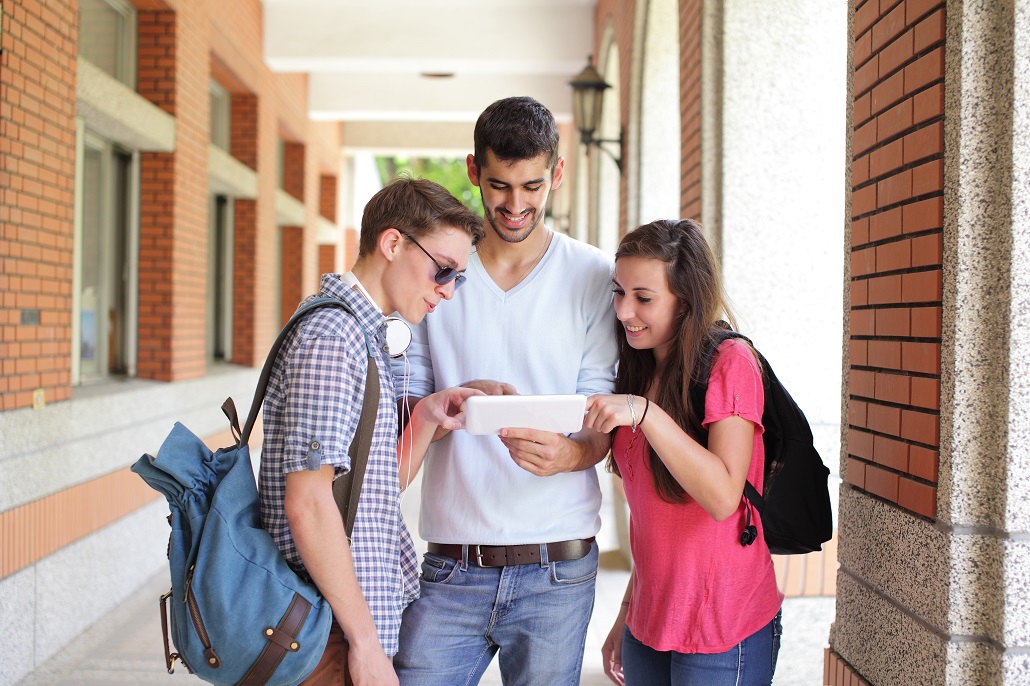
[198, 622]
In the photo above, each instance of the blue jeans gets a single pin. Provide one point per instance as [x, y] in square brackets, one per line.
[751, 662]
[534, 616]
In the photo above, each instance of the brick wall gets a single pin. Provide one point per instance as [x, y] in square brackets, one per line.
[293, 170]
[620, 13]
[291, 287]
[326, 259]
[327, 196]
[37, 187]
[896, 251]
[690, 108]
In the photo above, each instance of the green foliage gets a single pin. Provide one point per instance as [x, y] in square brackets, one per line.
[448, 172]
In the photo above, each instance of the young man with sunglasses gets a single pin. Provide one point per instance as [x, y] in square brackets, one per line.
[510, 520]
[311, 415]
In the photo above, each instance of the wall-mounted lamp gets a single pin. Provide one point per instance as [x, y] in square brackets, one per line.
[587, 95]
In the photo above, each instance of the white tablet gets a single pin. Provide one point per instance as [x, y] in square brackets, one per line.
[488, 414]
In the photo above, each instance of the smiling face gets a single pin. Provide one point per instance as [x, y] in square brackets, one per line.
[514, 192]
[645, 306]
[411, 286]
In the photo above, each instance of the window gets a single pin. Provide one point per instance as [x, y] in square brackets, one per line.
[220, 279]
[221, 114]
[105, 257]
[107, 37]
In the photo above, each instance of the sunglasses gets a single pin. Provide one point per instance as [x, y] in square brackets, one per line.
[446, 274]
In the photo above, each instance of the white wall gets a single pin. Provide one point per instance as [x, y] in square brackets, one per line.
[784, 66]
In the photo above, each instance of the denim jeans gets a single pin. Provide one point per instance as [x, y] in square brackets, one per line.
[751, 662]
[533, 616]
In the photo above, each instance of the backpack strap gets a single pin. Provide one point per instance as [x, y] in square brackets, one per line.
[699, 389]
[345, 494]
[347, 488]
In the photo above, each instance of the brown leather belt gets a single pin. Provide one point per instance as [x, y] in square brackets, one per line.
[509, 555]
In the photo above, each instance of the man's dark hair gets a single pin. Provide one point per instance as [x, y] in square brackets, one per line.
[518, 128]
[416, 207]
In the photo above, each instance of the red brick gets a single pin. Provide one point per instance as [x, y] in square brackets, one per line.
[926, 393]
[923, 463]
[864, 138]
[863, 200]
[923, 215]
[858, 351]
[862, 112]
[921, 287]
[885, 290]
[893, 388]
[865, 16]
[860, 170]
[928, 104]
[866, 75]
[894, 121]
[890, 453]
[862, 322]
[862, 383]
[920, 427]
[860, 231]
[893, 321]
[927, 251]
[884, 160]
[885, 354]
[856, 473]
[894, 189]
[928, 178]
[886, 224]
[886, 93]
[917, 497]
[926, 322]
[882, 483]
[916, 9]
[925, 142]
[921, 357]
[893, 256]
[925, 70]
[897, 53]
[860, 444]
[857, 411]
[863, 49]
[929, 31]
[887, 28]
[863, 262]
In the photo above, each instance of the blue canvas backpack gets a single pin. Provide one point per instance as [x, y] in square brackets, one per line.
[239, 614]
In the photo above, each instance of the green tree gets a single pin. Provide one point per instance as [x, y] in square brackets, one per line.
[448, 172]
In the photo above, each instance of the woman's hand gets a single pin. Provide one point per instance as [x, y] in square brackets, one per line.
[605, 412]
[611, 651]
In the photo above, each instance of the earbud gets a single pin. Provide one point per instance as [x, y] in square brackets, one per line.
[750, 532]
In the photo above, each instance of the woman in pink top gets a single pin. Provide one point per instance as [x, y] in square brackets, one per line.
[702, 605]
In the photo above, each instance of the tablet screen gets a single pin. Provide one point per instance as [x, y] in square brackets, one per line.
[488, 414]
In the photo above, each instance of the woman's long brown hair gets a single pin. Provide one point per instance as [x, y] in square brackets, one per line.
[694, 278]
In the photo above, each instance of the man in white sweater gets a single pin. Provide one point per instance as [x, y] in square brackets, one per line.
[511, 520]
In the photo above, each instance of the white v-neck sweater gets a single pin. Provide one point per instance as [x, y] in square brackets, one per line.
[552, 333]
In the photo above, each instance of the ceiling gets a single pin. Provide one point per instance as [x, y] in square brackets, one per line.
[378, 65]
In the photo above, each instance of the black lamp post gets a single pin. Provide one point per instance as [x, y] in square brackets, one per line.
[587, 96]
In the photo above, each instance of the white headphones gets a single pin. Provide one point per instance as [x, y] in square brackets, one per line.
[398, 333]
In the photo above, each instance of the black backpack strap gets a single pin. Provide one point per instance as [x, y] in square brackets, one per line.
[347, 489]
[699, 389]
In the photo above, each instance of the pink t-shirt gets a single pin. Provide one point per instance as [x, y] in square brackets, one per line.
[696, 589]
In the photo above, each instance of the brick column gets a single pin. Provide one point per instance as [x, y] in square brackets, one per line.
[690, 108]
[173, 65]
[37, 187]
[291, 288]
[244, 147]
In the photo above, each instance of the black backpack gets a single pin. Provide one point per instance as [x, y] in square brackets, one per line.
[795, 501]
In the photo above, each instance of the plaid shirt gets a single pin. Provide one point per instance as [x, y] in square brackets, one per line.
[311, 412]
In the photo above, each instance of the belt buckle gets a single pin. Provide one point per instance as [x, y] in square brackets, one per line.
[479, 556]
